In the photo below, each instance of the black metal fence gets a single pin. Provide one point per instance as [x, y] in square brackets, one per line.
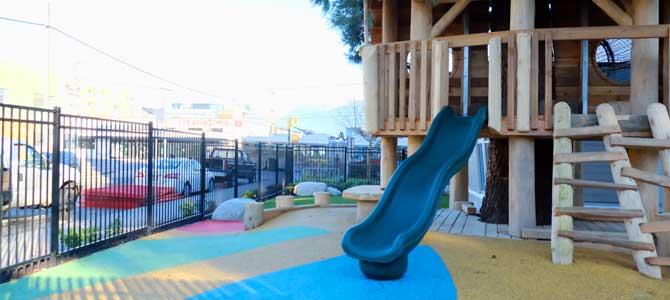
[74, 184]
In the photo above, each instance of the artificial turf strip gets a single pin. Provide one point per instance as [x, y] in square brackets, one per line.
[142, 256]
[308, 200]
[340, 278]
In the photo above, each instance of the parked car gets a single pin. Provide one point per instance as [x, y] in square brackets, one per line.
[180, 174]
[26, 177]
[66, 158]
[221, 162]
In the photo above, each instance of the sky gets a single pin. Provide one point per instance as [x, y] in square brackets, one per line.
[278, 56]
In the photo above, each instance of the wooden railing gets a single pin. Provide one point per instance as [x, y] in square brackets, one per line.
[406, 83]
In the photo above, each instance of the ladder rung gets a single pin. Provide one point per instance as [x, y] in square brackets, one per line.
[647, 177]
[582, 157]
[655, 226]
[658, 261]
[585, 132]
[594, 184]
[623, 243]
[599, 214]
[640, 143]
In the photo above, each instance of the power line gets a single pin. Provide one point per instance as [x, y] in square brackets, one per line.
[109, 55]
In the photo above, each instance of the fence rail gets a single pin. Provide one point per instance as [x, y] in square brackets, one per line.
[74, 184]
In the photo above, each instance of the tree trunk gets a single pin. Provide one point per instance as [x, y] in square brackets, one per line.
[495, 206]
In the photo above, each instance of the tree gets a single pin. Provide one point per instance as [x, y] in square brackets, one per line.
[347, 17]
[351, 116]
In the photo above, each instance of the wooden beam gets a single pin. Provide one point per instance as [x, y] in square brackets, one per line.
[628, 199]
[615, 12]
[599, 214]
[586, 132]
[640, 143]
[658, 261]
[548, 79]
[660, 128]
[523, 77]
[495, 84]
[423, 94]
[389, 21]
[594, 184]
[655, 227]
[448, 18]
[440, 92]
[633, 123]
[595, 238]
[647, 177]
[370, 57]
[586, 157]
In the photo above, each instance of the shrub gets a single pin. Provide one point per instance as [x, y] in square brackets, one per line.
[115, 228]
[211, 206]
[76, 238]
[187, 208]
[289, 189]
[251, 194]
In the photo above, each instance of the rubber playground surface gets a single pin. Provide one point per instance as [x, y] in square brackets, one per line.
[298, 256]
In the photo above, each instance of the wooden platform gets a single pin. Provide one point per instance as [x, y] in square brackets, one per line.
[457, 222]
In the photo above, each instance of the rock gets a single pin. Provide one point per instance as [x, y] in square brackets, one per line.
[231, 210]
[309, 188]
[333, 191]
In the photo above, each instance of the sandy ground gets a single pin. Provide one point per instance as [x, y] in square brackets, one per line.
[481, 268]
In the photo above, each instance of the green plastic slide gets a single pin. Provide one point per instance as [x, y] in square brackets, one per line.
[406, 210]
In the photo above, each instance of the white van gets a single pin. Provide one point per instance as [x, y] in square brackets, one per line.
[26, 177]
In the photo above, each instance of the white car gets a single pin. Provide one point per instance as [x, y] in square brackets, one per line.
[180, 174]
[26, 177]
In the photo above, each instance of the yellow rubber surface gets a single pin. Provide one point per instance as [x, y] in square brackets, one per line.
[487, 268]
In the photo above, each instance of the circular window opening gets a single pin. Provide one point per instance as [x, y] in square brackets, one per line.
[612, 57]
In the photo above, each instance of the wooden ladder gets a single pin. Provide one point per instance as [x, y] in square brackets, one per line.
[631, 212]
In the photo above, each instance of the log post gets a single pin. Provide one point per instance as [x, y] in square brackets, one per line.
[458, 189]
[561, 194]
[644, 91]
[389, 149]
[521, 149]
[389, 144]
[495, 84]
[421, 21]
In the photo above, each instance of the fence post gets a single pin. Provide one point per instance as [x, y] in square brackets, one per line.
[259, 194]
[149, 177]
[203, 186]
[55, 181]
[345, 162]
[235, 167]
[276, 168]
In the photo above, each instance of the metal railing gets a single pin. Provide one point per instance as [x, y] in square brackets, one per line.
[75, 184]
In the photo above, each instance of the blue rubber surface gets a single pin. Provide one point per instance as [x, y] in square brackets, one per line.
[411, 199]
[338, 279]
[142, 256]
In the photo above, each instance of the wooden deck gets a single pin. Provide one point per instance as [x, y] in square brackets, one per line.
[457, 222]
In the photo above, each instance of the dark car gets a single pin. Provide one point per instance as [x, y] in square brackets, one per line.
[221, 162]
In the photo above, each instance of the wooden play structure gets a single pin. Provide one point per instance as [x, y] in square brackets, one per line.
[565, 71]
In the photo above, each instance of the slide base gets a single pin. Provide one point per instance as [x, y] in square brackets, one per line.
[384, 271]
